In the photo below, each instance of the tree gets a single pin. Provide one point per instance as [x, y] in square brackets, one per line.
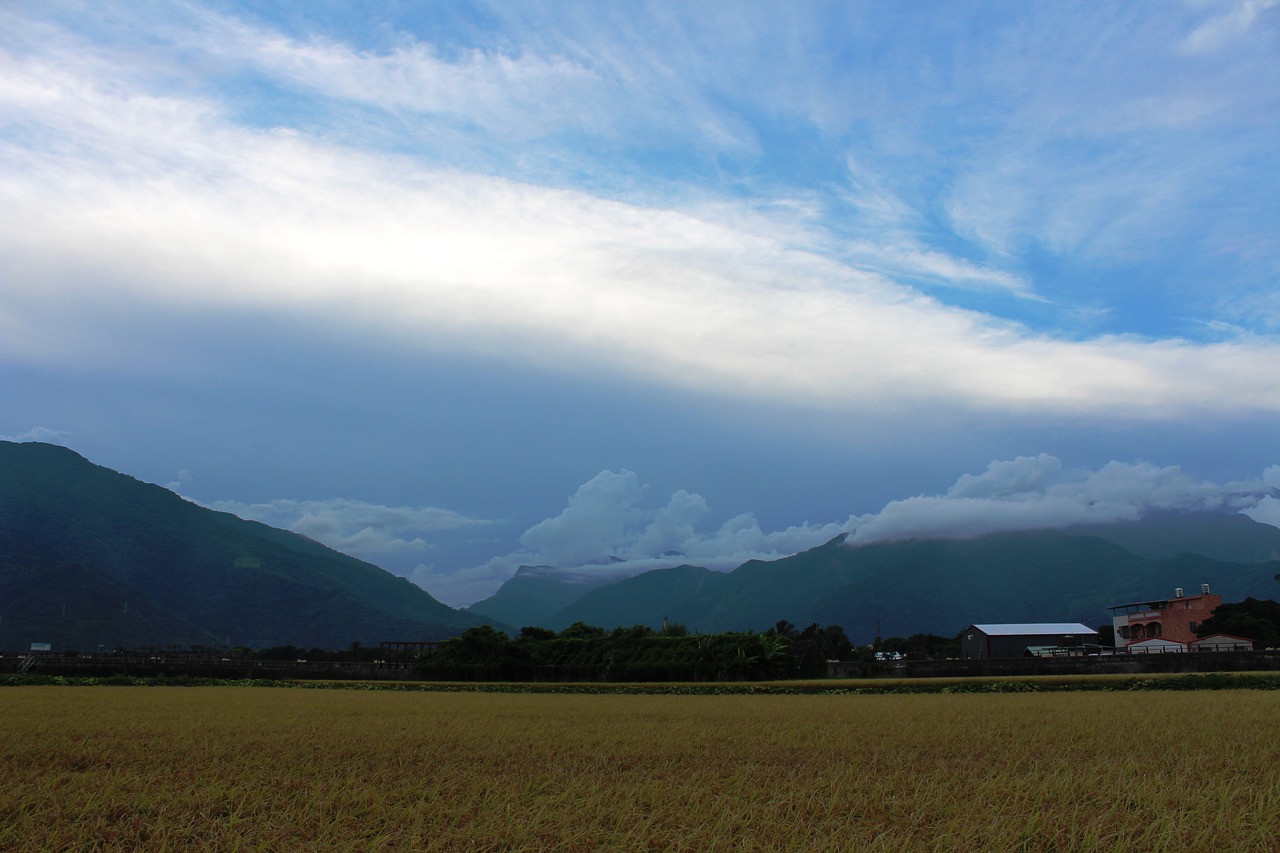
[582, 631]
[836, 644]
[1257, 620]
[921, 646]
[1107, 635]
[783, 628]
[775, 655]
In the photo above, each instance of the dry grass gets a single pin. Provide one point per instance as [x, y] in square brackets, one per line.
[258, 769]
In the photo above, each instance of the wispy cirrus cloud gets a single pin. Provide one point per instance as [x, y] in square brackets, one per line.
[1228, 20]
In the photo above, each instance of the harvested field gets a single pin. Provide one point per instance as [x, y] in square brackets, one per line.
[232, 768]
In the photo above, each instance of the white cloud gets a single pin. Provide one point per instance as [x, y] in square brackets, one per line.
[510, 92]
[1039, 492]
[173, 206]
[1221, 29]
[605, 523]
[181, 482]
[366, 530]
[170, 206]
[1267, 511]
[605, 529]
[41, 434]
[592, 526]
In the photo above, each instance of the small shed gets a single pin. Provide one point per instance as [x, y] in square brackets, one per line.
[1013, 640]
[1155, 646]
[1222, 643]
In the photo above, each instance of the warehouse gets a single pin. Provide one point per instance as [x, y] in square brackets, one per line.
[1011, 641]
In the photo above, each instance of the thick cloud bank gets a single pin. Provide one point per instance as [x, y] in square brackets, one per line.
[125, 193]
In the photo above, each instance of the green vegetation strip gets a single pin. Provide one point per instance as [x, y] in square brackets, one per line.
[874, 687]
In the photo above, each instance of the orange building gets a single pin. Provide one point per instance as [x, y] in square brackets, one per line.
[1174, 618]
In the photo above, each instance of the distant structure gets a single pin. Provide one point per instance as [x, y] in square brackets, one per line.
[404, 649]
[1155, 646]
[1174, 619]
[979, 642]
[1222, 643]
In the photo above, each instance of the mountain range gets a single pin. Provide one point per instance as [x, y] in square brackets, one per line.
[924, 585]
[93, 558]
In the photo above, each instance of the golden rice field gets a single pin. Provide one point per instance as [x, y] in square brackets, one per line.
[231, 768]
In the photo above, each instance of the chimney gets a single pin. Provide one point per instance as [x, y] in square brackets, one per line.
[1204, 589]
[1177, 593]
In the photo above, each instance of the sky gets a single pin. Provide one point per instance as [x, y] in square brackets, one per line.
[455, 287]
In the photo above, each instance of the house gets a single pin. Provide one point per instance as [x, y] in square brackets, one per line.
[1012, 640]
[1155, 646]
[1174, 618]
[1222, 643]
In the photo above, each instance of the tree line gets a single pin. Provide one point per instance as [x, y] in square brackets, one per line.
[584, 652]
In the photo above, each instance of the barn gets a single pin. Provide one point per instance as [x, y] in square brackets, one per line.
[1012, 641]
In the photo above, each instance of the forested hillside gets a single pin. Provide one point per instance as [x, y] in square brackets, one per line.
[90, 557]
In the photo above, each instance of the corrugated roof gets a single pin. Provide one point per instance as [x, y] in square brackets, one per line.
[1019, 628]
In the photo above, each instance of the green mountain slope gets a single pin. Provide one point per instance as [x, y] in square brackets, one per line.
[190, 573]
[1222, 536]
[535, 594]
[645, 599]
[1043, 576]
[928, 586]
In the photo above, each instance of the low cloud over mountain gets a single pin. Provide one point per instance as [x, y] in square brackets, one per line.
[606, 527]
[1038, 491]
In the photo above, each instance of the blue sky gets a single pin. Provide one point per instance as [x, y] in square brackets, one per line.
[456, 286]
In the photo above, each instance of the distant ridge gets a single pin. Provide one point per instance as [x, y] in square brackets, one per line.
[90, 557]
[536, 593]
[941, 585]
[1226, 536]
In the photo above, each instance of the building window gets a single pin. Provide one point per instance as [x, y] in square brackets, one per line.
[1194, 626]
[1153, 630]
[1124, 632]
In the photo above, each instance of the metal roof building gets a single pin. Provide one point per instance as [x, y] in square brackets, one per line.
[1012, 640]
